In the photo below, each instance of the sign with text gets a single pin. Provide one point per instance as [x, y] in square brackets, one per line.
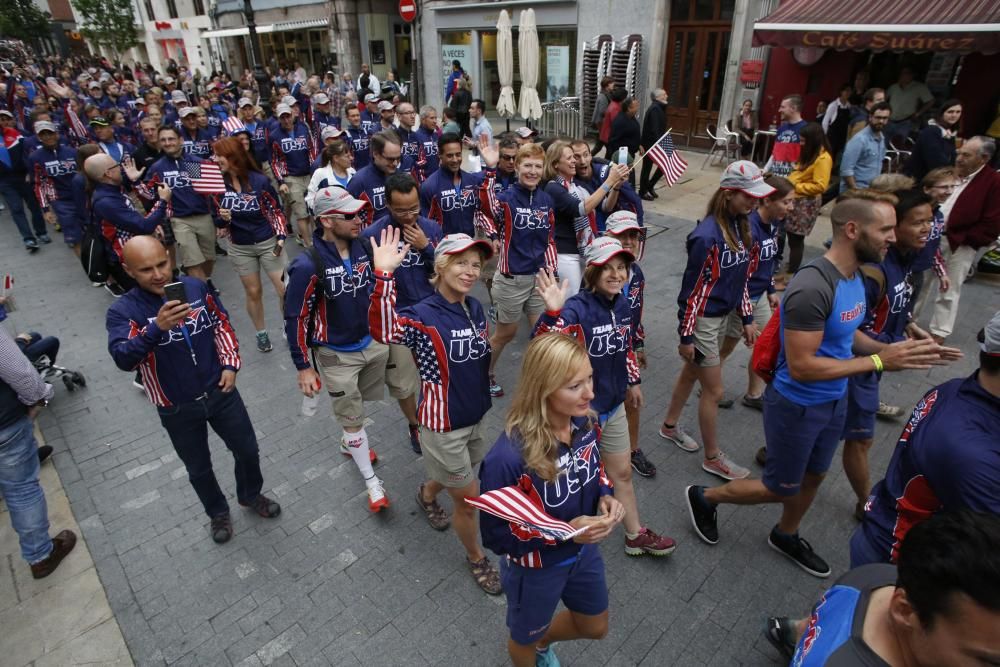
[449, 52]
[556, 72]
[874, 40]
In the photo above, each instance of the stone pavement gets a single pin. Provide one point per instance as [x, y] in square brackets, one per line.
[328, 583]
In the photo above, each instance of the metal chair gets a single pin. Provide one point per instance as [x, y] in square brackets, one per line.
[724, 143]
[896, 153]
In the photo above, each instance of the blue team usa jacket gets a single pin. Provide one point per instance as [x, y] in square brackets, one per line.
[51, 173]
[412, 278]
[605, 329]
[368, 185]
[451, 206]
[635, 291]
[330, 310]
[359, 140]
[451, 347]
[427, 157]
[184, 201]
[117, 220]
[579, 485]
[765, 240]
[715, 279]
[524, 223]
[257, 212]
[292, 151]
[200, 144]
[175, 368]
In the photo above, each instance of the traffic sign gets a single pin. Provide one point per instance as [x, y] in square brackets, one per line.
[408, 10]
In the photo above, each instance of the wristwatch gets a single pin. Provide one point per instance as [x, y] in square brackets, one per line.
[44, 403]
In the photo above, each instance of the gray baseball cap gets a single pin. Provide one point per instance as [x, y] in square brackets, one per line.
[453, 244]
[187, 111]
[178, 96]
[603, 249]
[336, 200]
[330, 132]
[321, 98]
[990, 344]
[44, 126]
[282, 109]
[245, 102]
[746, 177]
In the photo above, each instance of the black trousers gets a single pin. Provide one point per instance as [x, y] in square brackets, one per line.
[646, 184]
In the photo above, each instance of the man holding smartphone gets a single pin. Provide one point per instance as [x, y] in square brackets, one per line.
[178, 336]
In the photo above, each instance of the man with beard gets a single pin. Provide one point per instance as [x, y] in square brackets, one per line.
[197, 141]
[368, 184]
[293, 151]
[427, 135]
[357, 137]
[806, 405]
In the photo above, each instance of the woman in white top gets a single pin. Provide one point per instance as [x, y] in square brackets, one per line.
[336, 170]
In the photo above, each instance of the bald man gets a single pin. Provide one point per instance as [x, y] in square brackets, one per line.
[115, 217]
[188, 356]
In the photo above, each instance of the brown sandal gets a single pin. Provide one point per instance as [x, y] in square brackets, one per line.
[436, 516]
[486, 576]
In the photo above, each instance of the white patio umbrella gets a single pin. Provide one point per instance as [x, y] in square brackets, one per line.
[527, 44]
[505, 66]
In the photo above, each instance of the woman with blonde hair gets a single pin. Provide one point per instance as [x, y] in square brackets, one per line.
[549, 451]
[446, 332]
[714, 299]
[576, 222]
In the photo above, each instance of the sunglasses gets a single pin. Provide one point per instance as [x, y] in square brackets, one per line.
[341, 216]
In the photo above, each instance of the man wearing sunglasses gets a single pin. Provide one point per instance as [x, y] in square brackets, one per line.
[326, 311]
[368, 184]
[412, 283]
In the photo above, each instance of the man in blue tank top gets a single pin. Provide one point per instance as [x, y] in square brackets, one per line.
[805, 406]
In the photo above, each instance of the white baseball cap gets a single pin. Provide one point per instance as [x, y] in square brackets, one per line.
[525, 132]
[371, 97]
[330, 132]
[178, 96]
[245, 102]
[187, 111]
[336, 200]
[603, 249]
[44, 126]
[746, 177]
[990, 343]
[386, 105]
[289, 100]
[321, 98]
[282, 109]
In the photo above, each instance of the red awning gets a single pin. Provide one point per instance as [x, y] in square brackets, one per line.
[883, 25]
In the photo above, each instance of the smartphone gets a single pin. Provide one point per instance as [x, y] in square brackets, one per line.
[175, 292]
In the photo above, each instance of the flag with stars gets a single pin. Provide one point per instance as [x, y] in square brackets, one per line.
[428, 352]
[668, 159]
[512, 504]
[206, 177]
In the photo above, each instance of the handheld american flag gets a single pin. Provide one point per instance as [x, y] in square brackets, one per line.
[512, 504]
[206, 177]
[668, 159]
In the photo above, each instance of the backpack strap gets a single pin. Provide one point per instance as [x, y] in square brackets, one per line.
[875, 273]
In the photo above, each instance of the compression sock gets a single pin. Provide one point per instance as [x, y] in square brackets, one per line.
[357, 445]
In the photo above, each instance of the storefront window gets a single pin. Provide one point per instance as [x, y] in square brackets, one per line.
[285, 48]
[456, 45]
[556, 64]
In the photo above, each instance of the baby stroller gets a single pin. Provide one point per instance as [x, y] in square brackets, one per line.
[42, 352]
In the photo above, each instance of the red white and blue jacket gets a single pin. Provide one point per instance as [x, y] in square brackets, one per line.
[715, 280]
[332, 310]
[636, 293]
[292, 151]
[368, 185]
[257, 214]
[184, 201]
[765, 240]
[199, 145]
[359, 141]
[179, 365]
[525, 225]
[454, 207]
[930, 256]
[51, 173]
[409, 152]
[578, 487]
[451, 347]
[117, 219]
[888, 310]
[605, 329]
[371, 122]
[260, 141]
[321, 121]
[628, 198]
[427, 156]
[413, 277]
[947, 459]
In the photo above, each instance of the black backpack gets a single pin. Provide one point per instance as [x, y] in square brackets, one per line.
[93, 254]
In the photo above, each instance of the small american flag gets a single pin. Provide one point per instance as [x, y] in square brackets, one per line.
[206, 177]
[668, 159]
[76, 126]
[232, 125]
[514, 505]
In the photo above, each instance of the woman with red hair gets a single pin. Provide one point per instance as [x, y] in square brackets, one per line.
[250, 213]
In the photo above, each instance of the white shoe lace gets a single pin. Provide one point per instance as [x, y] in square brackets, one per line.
[375, 490]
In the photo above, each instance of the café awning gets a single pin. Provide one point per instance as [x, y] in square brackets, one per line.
[883, 25]
[262, 29]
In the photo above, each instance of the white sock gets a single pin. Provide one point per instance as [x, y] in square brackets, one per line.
[357, 445]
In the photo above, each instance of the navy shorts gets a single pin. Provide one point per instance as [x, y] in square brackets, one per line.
[66, 215]
[862, 551]
[800, 439]
[533, 594]
[862, 404]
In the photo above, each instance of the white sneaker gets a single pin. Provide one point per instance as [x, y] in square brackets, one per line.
[377, 499]
[722, 467]
[679, 437]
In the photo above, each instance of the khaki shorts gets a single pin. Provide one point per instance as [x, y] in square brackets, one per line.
[352, 378]
[451, 457]
[707, 333]
[195, 235]
[761, 314]
[614, 433]
[514, 297]
[295, 200]
[250, 259]
[270, 175]
[401, 374]
[490, 267]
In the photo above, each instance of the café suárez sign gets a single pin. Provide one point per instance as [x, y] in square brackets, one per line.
[886, 41]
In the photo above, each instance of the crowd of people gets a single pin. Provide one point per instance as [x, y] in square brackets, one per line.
[395, 238]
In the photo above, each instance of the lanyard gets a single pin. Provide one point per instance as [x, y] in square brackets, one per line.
[187, 339]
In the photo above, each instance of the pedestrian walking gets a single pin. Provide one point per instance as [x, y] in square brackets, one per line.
[654, 125]
[811, 178]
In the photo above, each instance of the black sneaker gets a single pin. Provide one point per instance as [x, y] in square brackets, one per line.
[642, 465]
[704, 516]
[114, 289]
[780, 632]
[44, 452]
[761, 457]
[222, 528]
[799, 551]
[31, 245]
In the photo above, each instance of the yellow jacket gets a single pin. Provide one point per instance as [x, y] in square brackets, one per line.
[814, 179]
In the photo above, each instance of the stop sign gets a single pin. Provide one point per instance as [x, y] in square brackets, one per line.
[408, 10]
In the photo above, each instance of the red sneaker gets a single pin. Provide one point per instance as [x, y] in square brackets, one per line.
[648, 542]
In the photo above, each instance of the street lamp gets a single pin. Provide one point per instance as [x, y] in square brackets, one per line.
[259, 75]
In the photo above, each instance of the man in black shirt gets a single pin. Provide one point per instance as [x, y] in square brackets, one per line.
[149, 152]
